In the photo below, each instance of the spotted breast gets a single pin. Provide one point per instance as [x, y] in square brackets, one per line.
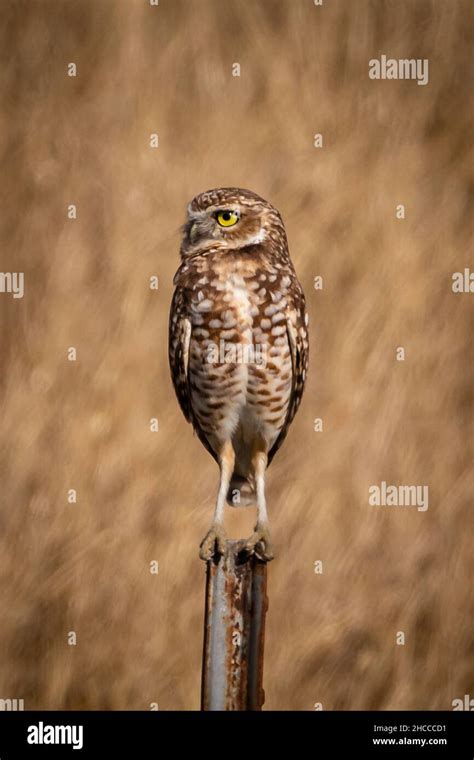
[245, 315]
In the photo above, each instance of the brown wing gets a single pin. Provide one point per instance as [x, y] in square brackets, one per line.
[178, 346]
[297, 333]
[178, 351]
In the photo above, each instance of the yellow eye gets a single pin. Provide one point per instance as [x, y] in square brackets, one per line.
[227, 218]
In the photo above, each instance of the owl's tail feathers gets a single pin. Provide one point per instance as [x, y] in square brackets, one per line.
[241, 491]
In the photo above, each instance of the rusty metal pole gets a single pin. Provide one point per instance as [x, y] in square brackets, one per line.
[234, 631]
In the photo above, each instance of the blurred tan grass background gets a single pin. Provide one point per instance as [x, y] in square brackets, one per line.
[387, 283]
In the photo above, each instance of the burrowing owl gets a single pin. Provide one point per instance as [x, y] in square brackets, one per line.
[238, 346]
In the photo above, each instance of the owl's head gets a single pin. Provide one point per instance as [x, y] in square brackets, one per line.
[230, 218]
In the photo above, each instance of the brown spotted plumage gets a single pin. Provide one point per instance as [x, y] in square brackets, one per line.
[238, 345]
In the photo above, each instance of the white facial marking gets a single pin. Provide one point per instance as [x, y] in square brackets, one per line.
[256, 239]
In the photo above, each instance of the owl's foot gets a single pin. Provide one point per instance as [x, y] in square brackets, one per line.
[260, 544]
[213, 542]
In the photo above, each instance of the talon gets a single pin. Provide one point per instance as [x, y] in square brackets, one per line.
[260, 544]
[213, 543]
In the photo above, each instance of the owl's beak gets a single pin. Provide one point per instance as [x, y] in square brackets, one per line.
[192, 231]
[189, 230]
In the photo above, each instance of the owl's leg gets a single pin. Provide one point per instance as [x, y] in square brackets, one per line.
[260, 542]
[214, 540]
